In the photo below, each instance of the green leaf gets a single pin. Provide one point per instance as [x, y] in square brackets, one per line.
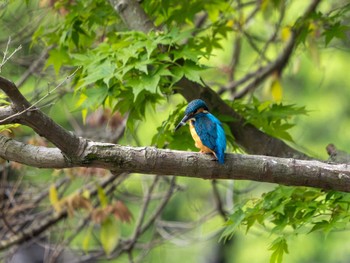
[232, 224]
[177, 73]
[336, 30]
[103, 71]
[109, 234]
[8, 127]
[191, 71]
[279, 247]
[87, 238]
[57, 57]
[92, 97]
[144, 83]
[322, 225]
[4, 100]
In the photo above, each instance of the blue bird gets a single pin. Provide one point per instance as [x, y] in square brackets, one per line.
[206, 129]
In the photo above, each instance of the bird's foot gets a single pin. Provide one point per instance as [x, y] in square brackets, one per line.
[208, 153]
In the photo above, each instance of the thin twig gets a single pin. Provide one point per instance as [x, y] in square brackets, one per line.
[142, 214]
[161, 206]
[33, 66]
[218, 201]
[5, 57]
[277, 28]
[32, 106]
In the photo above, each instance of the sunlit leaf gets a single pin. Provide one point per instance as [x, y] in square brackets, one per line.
[109, 234]
[279, 248]
[54, 200]
[191, 71]
[276, 90]
[102, 196]
[286, 33]
[87, 238]
[104, 71]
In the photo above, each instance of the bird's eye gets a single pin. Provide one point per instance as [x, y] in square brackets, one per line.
[199, 110]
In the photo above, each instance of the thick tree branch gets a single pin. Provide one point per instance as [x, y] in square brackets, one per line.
[7, 114]
[149, 160]
[27, 114]
[129, 11]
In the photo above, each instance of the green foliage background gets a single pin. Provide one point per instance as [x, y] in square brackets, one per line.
[136, 74]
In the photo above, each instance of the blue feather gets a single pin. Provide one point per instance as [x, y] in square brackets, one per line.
[195, 105]
[211, 133]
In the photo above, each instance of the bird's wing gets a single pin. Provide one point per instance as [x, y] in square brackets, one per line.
[212, 135]
[206, 130]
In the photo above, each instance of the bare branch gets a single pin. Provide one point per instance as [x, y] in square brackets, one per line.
[141, 218]
[33, 67]
[218, 201]
[149, 160]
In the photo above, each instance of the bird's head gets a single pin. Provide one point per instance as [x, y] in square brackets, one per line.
[194, 107]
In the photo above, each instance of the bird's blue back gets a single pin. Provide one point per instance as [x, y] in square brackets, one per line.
[211, 133]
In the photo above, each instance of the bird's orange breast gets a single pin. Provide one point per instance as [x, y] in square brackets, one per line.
[198, 141]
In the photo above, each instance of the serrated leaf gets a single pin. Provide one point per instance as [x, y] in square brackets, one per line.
[57, 57]
[92, 98]
[103, 71]
[191, 71]
[337, 30]
[233, 223]
[177, 73]
[279, 247]
[144, 83]
[109, 234]
[322, 225]
[150, 46]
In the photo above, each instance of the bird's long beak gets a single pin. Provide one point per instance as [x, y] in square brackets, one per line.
[182, 122]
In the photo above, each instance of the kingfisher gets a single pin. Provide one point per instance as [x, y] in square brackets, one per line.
[206, 129]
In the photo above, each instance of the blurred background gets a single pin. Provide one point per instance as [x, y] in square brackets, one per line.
[189, 227]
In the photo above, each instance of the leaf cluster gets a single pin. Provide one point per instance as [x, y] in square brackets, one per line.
[287, 211]
[272, 118]
[182, 12]
[331, 26]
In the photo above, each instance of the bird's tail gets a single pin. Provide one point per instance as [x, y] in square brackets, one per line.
[221, 157]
